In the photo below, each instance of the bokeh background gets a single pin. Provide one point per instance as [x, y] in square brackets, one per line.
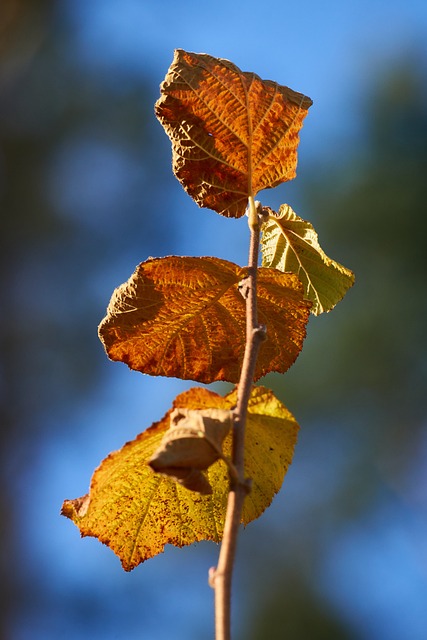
[87, 192]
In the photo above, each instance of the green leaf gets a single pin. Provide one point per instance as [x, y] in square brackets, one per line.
[289, 243]
[136, 511]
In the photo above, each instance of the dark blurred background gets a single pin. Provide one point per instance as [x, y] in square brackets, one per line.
[87, 192]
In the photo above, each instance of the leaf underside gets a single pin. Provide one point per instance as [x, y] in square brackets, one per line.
[136, 512]
[289, 243]
[185, 317]
[232, 133]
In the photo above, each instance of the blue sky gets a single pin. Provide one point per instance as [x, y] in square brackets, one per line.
[325, 49]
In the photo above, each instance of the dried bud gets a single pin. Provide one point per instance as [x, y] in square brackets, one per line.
[192, 443]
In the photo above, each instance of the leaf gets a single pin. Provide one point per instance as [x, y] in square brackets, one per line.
[185, 317]
[232, 133]
[192, 443]
[289, 243]
[136, 512]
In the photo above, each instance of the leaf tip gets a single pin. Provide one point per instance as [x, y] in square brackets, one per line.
[75, 509]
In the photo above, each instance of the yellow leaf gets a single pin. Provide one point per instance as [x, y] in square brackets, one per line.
[290, 244]
[186, 318]
[232, 133]
[136, 512]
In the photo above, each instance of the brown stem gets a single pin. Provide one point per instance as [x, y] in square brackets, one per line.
[222, 577]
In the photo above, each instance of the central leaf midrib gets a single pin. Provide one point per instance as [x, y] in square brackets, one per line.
[284, 231]
[191, 318]
[250, 137]
[209, 107]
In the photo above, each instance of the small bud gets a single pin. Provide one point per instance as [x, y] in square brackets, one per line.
[211, 577]
[244, 287]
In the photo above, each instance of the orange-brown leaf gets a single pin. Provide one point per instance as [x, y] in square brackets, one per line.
[184, 317]
[136, 512]
[232, 133]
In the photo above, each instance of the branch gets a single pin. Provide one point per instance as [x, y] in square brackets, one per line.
[221, 578]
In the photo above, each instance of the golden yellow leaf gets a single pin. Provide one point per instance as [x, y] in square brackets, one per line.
[289, 243]
[232, 133]
[185, 317]
[136, 512]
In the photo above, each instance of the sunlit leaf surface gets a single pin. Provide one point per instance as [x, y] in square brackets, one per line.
[185, 317]
[232, 133]
[289, 243]
[136, 512]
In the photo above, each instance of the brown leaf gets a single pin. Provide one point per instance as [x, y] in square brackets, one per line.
[185, 317]
[232, 133]
[136, 512]
[192, 444]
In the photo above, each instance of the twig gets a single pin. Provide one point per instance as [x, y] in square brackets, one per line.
[221, 578]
